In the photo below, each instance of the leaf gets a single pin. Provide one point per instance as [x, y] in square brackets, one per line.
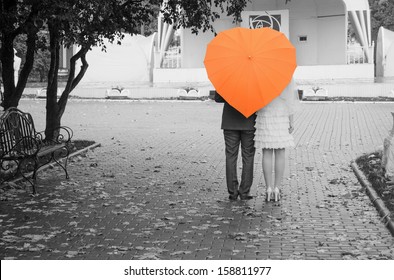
[180, 253]
[71, 254]
[35, 237]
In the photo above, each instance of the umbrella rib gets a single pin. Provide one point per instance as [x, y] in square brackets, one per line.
[263, 72]
[263, 97]
[220, 58]
[237, 44]
[273, 69]
[229, 65]
[273, 38]
[232, 48]
[265, 51]
[233, 74]
[277, 59]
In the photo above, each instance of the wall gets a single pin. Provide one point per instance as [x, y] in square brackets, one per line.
[257, 5]
[181, 76]
[325, 25]
[323, 21]
[332, 32]
[323, 56]
[389, 70]
[306, 51]
[331, 40]
[123, 64]
[193, 47]
[385, 53]
[362, 72]
[305, 74]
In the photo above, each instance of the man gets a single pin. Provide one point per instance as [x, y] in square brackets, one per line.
[238, 129]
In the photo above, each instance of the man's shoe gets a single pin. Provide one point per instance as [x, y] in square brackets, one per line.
[246, 197]
[233, 197]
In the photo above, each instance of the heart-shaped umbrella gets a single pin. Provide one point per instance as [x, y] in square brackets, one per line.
[250, 67]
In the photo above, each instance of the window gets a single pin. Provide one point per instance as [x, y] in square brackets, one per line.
[302, 38]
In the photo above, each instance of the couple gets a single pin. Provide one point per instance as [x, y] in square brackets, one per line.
[270, 130]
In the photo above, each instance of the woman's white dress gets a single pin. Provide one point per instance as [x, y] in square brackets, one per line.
[272, 122]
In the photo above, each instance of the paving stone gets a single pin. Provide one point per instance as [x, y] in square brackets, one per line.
[158, 189]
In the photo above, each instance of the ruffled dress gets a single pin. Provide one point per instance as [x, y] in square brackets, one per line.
[272, 122]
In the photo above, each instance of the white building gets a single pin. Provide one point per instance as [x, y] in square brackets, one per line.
[385, 55]
[317, 28]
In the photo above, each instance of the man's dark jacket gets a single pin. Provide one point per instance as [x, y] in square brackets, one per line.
[232, 119]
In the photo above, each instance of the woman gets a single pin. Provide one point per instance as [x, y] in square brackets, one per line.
[274, 125]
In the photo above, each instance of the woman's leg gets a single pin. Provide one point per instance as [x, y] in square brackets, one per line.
[267, 167]
[280, 160]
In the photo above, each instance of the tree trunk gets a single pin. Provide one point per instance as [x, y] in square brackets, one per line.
[55, 109]
[7, 62]
[73, 81]
[52, 108]
[29, 62]
[12, 92]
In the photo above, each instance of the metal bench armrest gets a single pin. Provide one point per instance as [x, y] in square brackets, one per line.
[64, 135]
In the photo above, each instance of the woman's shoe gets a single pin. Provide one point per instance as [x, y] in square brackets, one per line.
[276, 194]
[269, 193]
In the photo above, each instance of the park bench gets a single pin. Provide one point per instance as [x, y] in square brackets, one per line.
[23, 150]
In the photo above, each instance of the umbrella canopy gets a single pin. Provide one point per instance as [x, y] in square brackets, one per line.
[250, 67]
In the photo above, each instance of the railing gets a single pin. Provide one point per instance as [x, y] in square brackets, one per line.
[172, 59]
[358, 55]
[354, 55]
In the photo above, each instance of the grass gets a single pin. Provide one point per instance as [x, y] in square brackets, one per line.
[370, 165]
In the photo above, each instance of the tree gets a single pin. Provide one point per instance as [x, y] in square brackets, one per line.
[86, 23]
[382, 14]
[41, 57]
[199, 15]
[16, 18]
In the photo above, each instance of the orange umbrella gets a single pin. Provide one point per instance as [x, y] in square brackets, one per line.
[250, 67]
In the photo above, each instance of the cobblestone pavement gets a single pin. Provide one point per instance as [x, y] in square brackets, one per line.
[155, 189]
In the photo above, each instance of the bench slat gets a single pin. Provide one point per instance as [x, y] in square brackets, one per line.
[50, 149]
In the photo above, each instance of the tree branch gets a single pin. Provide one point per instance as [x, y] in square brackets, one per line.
[73, 81]
[83, 70]
[29, 62]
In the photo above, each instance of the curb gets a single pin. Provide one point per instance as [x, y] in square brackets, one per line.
[376, 200]
[91, 147]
